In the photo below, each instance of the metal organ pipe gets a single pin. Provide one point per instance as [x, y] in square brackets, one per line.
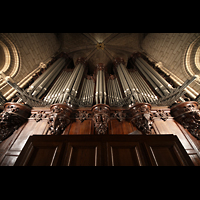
[47, 81]
[104, 88]
[97, 88]
[147, 76]
[100, 95]
[158, 76]
[42, 77]
[73, 83]
[154, 79]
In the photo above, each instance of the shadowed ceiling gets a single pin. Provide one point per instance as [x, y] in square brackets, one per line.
[100, 47]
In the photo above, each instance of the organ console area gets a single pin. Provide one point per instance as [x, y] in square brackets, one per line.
[134, 100]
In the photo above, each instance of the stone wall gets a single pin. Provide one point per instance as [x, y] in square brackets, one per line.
[170, 49]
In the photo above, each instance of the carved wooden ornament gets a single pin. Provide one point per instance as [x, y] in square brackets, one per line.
[101, 117]
[188, 115]
[13, 116]
[141, 117]
[59, 118]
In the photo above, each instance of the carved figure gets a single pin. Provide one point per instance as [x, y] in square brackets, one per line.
[142, 118]
[59, 118]
[101, 117]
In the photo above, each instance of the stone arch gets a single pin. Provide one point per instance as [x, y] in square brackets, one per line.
[11, 59]
[192, 59]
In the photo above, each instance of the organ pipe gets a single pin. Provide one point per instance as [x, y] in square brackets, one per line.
[145, 67]
[149, 78]
[158, 76]
[42, 77]
[47, 81]
[100, 95]
[72, 85]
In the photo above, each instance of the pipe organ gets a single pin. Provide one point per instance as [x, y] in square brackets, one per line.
[63, 83]
[72, 102]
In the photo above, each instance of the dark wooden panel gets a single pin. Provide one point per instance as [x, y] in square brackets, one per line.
[124, 154]
[94, 150]
[83, 154]
[32, 127]
[81, 128]
[166, 153]
[117, 127]
[41, 154]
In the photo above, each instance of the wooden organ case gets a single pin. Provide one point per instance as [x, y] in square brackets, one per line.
[132, 117]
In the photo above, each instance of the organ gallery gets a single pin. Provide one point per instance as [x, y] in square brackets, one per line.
[99, 99]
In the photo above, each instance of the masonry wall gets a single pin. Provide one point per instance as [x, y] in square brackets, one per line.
[170, 49]
[33, 49]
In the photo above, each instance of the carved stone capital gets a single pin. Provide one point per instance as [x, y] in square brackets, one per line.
[13, 116]
[59, 118]
[188, 115]
[101, 117]
[141, 117]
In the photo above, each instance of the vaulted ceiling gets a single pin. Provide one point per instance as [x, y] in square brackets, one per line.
[100, 47]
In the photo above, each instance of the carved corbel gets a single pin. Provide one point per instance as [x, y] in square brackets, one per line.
[13, 116]
[141, 117]
[82, 115]
[101, 117]
[59, 118]
[161, 115]
[39, 115]
[188, 115]
[120, 115]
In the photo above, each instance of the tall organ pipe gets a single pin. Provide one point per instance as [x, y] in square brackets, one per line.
[142, 69]
[73, 83]
[46, 78]
[42, 77]
[47, 84]
[160, 78]
[97, 88]
[34, 87]
[104, 88]
[154, 78]
[133, 87]
[47, 81]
